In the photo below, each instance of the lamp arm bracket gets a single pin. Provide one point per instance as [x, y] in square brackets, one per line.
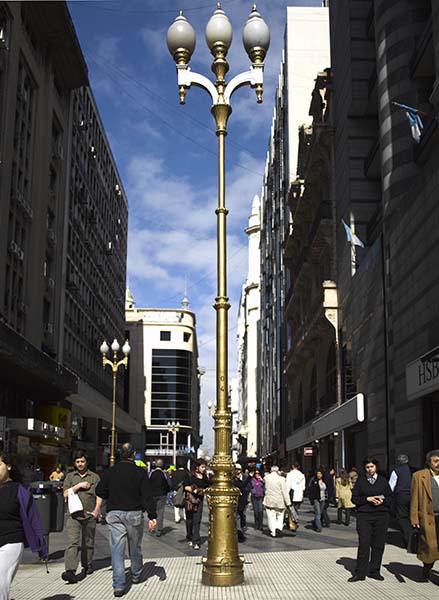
[253, 77]
[187, 78]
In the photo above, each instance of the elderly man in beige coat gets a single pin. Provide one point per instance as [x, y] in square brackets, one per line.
[424, 511]
[276, 500]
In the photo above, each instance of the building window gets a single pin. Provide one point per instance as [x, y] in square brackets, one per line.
[165, 336]
[186, 336]
[171, 390]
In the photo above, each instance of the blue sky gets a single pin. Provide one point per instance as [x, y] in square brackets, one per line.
[166, 153]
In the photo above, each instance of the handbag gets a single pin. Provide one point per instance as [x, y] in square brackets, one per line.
[191, 502]
[413, 541]
[74, 503]
[179, 497]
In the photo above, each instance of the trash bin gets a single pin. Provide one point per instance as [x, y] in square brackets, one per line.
[50, 502]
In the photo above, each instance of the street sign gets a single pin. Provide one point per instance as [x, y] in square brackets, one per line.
[308, 451]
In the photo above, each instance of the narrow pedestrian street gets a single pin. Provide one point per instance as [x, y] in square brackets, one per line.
[298, 566]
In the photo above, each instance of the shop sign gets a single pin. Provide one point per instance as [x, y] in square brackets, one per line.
[308, 451]
[422, 375]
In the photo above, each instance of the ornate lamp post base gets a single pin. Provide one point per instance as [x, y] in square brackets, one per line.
[223, 566]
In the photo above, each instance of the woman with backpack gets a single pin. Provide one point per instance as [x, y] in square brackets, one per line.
[20, 524]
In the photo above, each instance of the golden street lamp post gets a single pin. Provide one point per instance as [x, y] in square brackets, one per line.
[174, 428]
[114, 364]
[223, 566]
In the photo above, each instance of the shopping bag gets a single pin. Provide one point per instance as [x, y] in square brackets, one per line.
[74, 503]
[291, 522]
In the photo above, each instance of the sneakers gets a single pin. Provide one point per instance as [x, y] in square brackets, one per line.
[190, 543]
[118, 593]
[69, 576]
[196, 546]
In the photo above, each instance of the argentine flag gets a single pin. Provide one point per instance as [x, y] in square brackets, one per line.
[414, 119]
[352, 237]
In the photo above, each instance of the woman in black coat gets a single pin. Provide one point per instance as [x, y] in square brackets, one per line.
[370, 495]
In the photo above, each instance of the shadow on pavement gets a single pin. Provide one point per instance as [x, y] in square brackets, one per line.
[395, 538]
[101, 563]
[412, 572]
[59, 597]
[348, 563]
[150, 569]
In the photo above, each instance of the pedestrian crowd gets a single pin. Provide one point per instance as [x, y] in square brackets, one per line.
[120, 495]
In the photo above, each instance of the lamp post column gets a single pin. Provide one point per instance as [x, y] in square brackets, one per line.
[114, 364]
[223, 566]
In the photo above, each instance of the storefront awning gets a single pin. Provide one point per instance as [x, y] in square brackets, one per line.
[339, 418]
[91, 403]
[36, 428]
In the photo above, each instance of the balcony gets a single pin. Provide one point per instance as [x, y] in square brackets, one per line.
[422, 60]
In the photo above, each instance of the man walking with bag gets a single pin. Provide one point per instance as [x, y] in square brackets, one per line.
[127, 490]
[82, 483]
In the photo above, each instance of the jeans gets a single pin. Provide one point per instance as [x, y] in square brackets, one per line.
[193, 522]
[125, 526]
[258, 509]
[10, 555]
[160, 504]
[347, 512]
[321, 517]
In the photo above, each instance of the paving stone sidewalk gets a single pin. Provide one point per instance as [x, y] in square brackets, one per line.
[303, 574]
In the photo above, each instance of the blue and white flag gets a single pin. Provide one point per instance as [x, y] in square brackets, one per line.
[351, 236]
[414, 119]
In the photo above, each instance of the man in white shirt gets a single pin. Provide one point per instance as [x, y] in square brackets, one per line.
[296, 488]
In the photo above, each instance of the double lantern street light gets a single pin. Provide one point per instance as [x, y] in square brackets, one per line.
[223, 565]
[174, 428]
[114, 364]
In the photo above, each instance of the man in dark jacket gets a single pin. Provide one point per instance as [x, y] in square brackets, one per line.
[243, 484]
[400, 483]
[160, 486]
[370, 495]
[127, 490]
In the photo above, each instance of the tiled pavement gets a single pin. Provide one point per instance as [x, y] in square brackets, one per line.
[309, 565]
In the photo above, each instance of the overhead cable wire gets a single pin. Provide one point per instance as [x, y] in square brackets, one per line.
[154, 94]
[97, 5]
[170, 126]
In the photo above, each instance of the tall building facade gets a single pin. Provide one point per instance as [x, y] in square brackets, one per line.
[57, 278]
[384, 186]
[306, 50]
[164, 379]
[248, 342]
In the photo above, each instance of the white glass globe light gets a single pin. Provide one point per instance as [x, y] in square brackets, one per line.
[115, 346]
[219, 29]
[181, 36]
[104, 348]
[126, 348]
[256, 33]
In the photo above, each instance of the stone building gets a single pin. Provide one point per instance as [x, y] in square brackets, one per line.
[61, 205]
[385, 188]
[248, 342]
[164, 377]
[306, 50]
